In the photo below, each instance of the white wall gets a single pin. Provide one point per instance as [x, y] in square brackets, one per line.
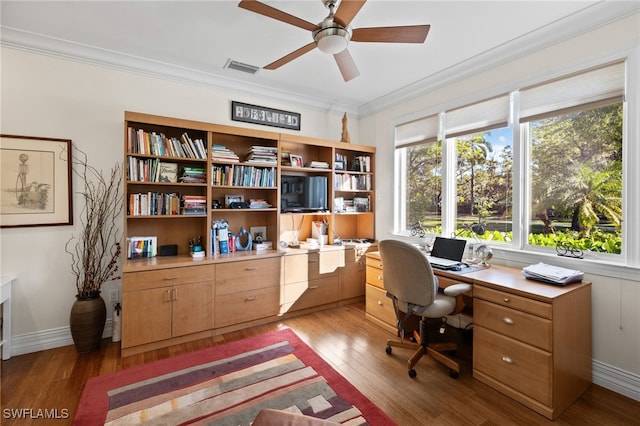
[50, 97]
[615, 290]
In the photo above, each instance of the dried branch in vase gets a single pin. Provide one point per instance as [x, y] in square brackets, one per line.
[96, 252]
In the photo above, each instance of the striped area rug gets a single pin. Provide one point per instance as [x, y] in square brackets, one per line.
[227, 385]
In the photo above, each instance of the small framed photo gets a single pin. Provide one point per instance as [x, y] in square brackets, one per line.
[228, 199]
[296, 160]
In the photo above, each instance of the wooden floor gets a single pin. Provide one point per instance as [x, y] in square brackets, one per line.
[355, 347]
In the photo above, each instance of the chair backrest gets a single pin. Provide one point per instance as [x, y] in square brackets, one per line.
[407, 273]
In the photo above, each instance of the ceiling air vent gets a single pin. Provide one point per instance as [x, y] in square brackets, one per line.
[239, 66]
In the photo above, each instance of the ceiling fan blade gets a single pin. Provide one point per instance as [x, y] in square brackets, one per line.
[272, 12]
[348, 68]
[347, 10]
[291, 56]
[408, 34]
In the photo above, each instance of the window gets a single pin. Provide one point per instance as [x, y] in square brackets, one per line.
[574, 129]
[457, 168]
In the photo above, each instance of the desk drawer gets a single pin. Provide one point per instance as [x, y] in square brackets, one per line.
[379, 305]
[167, 277]
[512, 301]
[231, 309]
[374, 276]
[233, 277]
[513, 323]
[307, 294]
[519, 366]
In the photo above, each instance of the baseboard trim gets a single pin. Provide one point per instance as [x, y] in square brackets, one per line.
[605, 375]
[48, 339]
[616, 379]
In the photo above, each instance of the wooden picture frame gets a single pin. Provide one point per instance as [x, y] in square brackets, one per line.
[36, 176]
[255, 114]
[296, 160]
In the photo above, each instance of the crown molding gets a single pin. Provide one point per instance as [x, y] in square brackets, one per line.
[78, 52]
[581, 22]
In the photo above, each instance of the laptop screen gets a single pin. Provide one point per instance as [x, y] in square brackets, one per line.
[448, 248]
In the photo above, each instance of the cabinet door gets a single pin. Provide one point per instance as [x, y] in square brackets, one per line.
[146, 316]
[352, 280]
[192, 308]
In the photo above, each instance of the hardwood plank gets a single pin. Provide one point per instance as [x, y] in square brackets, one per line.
[355, 347]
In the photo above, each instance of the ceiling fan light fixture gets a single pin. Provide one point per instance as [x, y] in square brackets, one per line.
[332, 40]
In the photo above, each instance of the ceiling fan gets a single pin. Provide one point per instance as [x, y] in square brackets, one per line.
[333, 34]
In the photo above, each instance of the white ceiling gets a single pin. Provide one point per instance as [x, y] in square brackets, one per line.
[192, 41]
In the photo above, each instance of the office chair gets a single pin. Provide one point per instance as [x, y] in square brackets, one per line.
[410, 282]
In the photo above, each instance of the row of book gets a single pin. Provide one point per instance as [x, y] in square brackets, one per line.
[355, 205]
[152, 143]
[141, 247]
[347, 182]
[151, 170]
[241, 175]
[165, 204]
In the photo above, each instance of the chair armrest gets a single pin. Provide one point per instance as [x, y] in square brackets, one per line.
[456, 289]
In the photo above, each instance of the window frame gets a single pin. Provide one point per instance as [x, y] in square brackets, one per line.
[521, 182]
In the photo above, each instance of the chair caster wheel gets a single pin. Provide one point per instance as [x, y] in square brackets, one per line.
[453, 374]
[388, 350]
[413, 373]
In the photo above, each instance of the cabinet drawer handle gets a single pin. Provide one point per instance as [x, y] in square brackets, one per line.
[251, 298]
[313, 287]
[508, 320]
[380, 277]
[379, 302]
[249, 269]
[507, 359]
[167, 296]
[506, 300]
[175, 294]
[170, 278]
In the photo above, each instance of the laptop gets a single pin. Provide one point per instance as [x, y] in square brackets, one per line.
[447, 253]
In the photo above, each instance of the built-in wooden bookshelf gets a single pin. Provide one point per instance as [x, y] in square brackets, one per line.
[184, 178]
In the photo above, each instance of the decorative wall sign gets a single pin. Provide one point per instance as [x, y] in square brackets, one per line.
[263, 115]
[36, 181]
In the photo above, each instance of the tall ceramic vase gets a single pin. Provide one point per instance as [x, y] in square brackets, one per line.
[87, 319]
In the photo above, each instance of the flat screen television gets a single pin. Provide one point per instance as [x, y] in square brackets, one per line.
[303, 193]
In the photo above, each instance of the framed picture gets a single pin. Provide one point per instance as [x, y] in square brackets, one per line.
[263, 115]
[36, 181]
[228, 199]
[296, 160]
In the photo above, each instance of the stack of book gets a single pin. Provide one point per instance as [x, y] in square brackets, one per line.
[318, 164]
[194, 204]
[222, 153]
[263, 154]
[140, 247]
[192, 175]
[258, 204]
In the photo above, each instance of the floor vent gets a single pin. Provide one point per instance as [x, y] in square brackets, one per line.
[239, 66]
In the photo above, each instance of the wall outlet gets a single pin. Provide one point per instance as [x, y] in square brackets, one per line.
[114, 297]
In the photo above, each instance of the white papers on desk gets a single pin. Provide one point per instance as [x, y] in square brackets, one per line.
[552, 274]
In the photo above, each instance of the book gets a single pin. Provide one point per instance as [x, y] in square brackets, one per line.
[168, 172]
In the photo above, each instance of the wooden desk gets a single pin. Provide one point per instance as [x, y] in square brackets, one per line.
[531, 341]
